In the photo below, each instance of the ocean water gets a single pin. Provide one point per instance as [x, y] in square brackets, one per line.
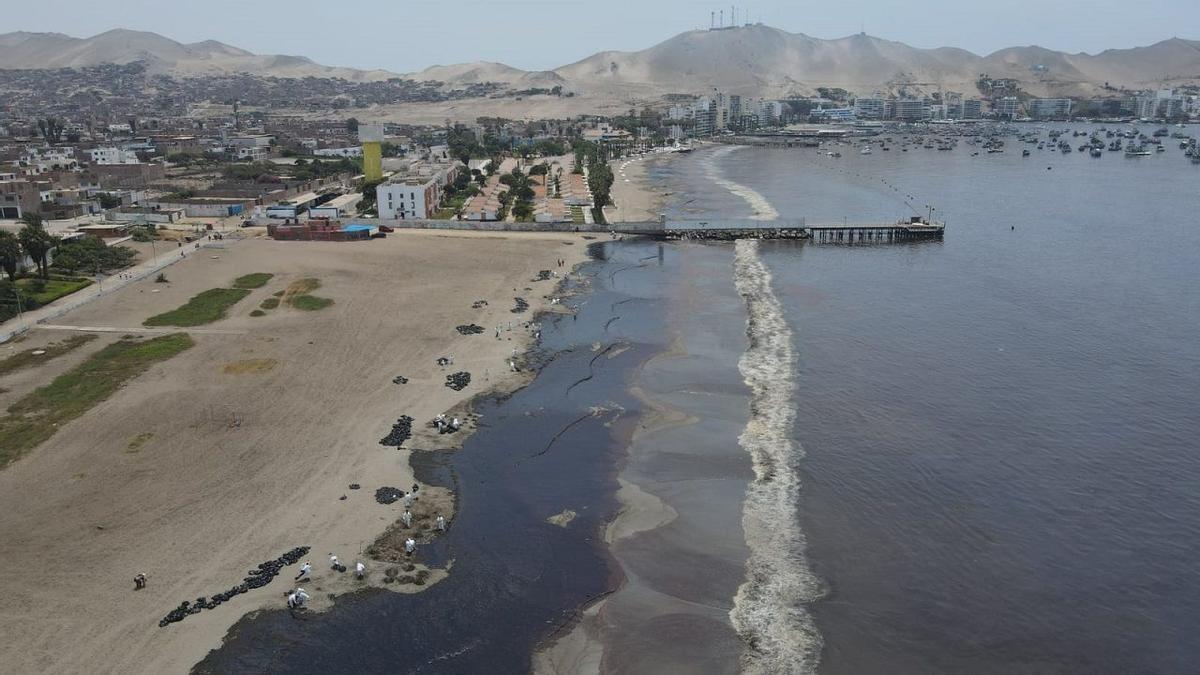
[992, 461]
[976, 455]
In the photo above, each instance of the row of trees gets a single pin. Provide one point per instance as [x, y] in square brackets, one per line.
[599, 173]
[519, 196]
[84, 254]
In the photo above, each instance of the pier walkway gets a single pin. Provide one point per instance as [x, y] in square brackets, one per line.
[913, 229]
[905, 230]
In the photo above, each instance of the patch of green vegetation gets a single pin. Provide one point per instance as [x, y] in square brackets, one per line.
[255, 280]
[206, 307]
[28, 358]
[43, 291]
[310, 303]
[257, 312]
[270, 303]
[278, 294]
[577, 215]
[38, 415]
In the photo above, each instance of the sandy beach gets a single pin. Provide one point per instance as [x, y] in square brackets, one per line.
[636, 197]
[243, 447]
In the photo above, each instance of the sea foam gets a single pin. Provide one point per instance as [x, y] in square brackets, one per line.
[759, 204]
[769, 610]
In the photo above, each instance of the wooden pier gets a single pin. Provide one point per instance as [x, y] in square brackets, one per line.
[909, 230]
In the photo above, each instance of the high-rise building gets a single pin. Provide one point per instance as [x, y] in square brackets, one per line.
[911, 109]
[870, 108]
[1008, 107]
[1050, 108]
[972, 109]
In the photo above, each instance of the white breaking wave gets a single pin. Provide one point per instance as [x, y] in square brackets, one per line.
[758, 203]
[769, 610]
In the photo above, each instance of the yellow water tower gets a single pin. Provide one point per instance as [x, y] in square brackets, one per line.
[371, 137]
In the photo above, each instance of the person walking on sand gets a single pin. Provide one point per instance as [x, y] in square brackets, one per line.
[304, 570]
[333, 562]
[441, 522]
[410, 545]
[406, 518]
[359, 570]
[139, 581]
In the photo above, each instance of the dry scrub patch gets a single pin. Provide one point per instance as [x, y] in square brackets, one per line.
[37, 416]
[298, 295]
[135, 445]
[33, 357]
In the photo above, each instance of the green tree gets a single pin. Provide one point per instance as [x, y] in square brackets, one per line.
[37, 242]
[51, 128]
[10, 254]
[92, 255]
[352, 125]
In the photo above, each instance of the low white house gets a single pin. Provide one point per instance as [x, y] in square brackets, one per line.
[339, 152]
[112, 156]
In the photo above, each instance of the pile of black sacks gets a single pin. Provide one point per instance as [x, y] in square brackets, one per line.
[256, 578]
[543, 275]
[469, 329]
[458, 381]
[389, 495]
[521, 307]
[479, 304]
[399, 379]
[401, 431]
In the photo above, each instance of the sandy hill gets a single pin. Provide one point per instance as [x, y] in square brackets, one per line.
[23, 50]
[487, 71]
[768, 61]
[749, 60]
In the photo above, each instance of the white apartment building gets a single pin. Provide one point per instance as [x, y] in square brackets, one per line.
[406, 200]
[1008, 107]
[911, 109]
[112, 156]
[253, 153]
[874, 108]
[1050, 108]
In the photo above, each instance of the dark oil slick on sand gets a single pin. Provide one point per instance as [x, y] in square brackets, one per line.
[516, 578]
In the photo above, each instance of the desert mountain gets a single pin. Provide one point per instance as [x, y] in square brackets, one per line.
[748, 60]
[23, 50]
[768, 61]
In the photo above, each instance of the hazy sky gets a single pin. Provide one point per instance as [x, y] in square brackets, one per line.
[407, 35]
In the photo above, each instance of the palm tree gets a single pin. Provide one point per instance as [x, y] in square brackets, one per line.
[37, 242]
[10, 253]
